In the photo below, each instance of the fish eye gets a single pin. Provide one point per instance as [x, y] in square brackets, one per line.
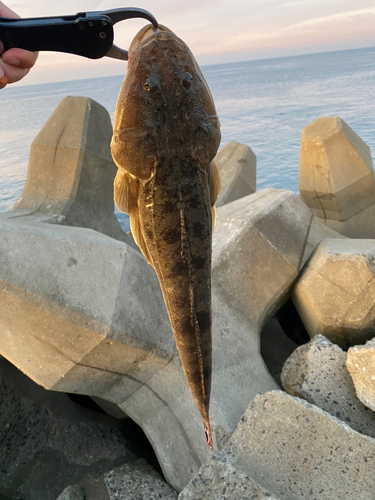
[187, 79]
[150, 84]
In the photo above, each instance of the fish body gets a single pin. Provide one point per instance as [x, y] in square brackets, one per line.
[166, 134]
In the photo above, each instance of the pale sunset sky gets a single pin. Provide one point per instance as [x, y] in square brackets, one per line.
[217, 31]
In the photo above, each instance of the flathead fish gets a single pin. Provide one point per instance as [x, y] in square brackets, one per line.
[166, 135]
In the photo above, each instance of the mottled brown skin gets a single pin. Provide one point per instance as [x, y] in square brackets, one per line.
[166, 134]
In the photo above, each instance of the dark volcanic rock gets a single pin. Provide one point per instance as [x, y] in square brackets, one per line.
[48, 442]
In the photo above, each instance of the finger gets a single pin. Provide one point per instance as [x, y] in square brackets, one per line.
[2, 74]
[12, 74]
[23, 59]
[4, 12]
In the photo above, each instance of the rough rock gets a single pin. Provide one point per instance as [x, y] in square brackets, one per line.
[48, 442]
[317, 373]
[71, 171]
[237, 165]
[222, 481]
[90, 310]
[296, 450]
[137, 481]
[335, 293]
[361, 365]
[336, 178]
[72, 493]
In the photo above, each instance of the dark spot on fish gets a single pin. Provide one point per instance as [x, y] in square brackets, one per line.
[186, 330]
[194, 202]
[172, 235]
[178, 268]
[207, 372]
[169, 206]
[204, 320]
[198, 262]
[199, 230]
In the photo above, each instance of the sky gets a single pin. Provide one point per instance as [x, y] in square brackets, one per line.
[217, 31]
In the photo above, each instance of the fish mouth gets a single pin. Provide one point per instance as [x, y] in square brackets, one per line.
[149, 34]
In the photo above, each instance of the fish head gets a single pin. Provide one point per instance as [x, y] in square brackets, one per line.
[165, 108]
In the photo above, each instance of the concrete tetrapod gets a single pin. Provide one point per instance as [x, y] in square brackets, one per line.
[318, 233]
[258, 244]
[85, 314]
[237, 165]
[336, 177]
[335, 293]
[71, 171]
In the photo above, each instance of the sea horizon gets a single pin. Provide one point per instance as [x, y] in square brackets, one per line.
[263, 103]
[203, 66]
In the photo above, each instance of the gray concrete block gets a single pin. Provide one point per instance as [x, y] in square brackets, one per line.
[71, 171]
[237, 165]
[139, 481]
[262, 237]
[78, 273]
[317, 373]
[258, 245]
[318, 233]
[296, 450]
[361, 365]
[358, 226]
[335, 292]
[336, 177]
[222, 481]
[86, 315]
[166, 412]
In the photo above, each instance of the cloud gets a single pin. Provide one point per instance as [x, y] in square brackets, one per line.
[220, 29]
[320, 21]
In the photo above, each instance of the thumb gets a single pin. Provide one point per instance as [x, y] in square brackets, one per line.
[2, 73]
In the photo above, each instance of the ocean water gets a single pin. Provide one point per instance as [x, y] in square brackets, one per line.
[264, 104]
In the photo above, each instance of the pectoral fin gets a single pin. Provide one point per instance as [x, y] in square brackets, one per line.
[126, 190]
[214, 184]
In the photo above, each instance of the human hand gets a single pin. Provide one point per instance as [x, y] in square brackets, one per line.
[14, 63]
